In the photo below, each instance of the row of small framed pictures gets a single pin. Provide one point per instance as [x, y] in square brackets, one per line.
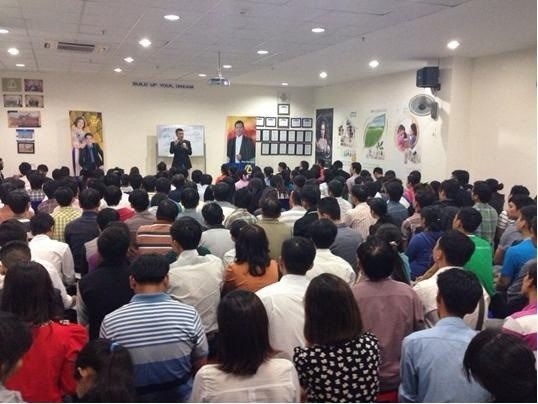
[274, 135]
[290, 149]
[282, 122]
[30, 100]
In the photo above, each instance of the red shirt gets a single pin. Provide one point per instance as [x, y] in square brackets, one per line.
[47, 370]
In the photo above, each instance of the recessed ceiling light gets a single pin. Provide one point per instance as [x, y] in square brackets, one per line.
[323, 75]
[453, 44]
[226, 66]
[262, 52]
[20, 65]
[202, 75]
[373, 64]
[118, 70]
[284, 84]
[145, 42]
[171, 17]
[129, 59]
[13, 51]
[4, 31]
[318, 30]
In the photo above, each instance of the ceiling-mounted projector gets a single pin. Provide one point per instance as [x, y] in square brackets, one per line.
[219, 80]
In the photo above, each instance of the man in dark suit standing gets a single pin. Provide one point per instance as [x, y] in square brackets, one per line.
[91, 156]
[181, 149]
[240, 148]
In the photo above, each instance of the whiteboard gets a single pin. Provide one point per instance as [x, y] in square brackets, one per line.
[167, 134]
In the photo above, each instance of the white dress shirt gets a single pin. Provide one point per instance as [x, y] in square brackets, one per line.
[55, 252]
[56, 281]
[427, 291]
[238, 142]
[217, 241]
[327, 262]
[197, 280]
[275, 381]
[289, 217]
[283, 302]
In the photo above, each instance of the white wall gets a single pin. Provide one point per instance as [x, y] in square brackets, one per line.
[487, 121]
[130, 116]
[502, 126]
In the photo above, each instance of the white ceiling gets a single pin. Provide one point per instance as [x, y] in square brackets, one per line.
[401, 34]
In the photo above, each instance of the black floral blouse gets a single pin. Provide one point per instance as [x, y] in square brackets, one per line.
[343, 372]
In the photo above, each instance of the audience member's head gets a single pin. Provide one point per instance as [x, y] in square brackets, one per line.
[139, 200]
[11, 230]
[41, 223]
[113, 244]
[149, 269]
[298, 255]
[376, 258]
[16, 337]
[212, 213]
[104, 372]
[167, 211]
[458, 292]
[243, 198]
[18, 201]
[112, 195]
[148, 183]
[186, 233]
[89, 199]
[222, 192]
[310, 196]
[252, 247]
[503, 364]
[338, 321]
[323, 233]
[378, 207]
[190, 198]
[394, 190]
[329, 208]
[243, 333]
[467, 219]
[481, 192]
[270, 208]
[453, 248]
[462, 176]
[431, 218]
[36, 304]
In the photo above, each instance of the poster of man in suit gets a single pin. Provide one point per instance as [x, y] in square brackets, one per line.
[240, 139]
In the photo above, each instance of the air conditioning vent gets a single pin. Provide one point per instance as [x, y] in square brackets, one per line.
[75, 47]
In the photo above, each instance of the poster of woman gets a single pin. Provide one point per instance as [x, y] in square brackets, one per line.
[83, 122]
[324, 135]
[374, 148]
[406, 139]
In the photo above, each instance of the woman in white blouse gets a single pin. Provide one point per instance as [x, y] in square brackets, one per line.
[246, 369]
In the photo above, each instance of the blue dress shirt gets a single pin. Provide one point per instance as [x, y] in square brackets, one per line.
[431, 366]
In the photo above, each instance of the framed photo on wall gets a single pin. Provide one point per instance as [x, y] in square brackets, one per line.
[270, 121]
[295, 122]
[274, 148]
[282, 135]
[266, 135]
[307, 122]
[265, 149]
[282, 148]
[299, 149]
[283, 109]
[258, 135]
[291, 149]
[291, 136]
[308, 136]
[274, 135]
[307, 149]
[26, 147]
[300, 136]
[259, 121]
[283, 122]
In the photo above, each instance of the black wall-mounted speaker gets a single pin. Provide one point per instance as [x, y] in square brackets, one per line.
[429, 77]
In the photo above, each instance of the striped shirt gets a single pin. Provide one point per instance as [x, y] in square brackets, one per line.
[523, 324]
[154, 238]
[163, 337]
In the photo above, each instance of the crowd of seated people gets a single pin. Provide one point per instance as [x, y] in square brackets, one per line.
[266, 285]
